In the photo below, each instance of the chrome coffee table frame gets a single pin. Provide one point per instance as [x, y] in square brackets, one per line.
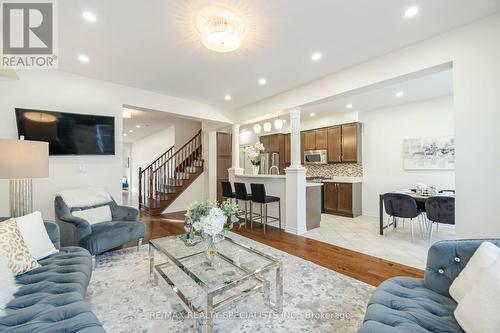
[205, 322]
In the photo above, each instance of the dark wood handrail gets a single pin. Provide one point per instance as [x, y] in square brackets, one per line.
[156, 180]
[180, 150]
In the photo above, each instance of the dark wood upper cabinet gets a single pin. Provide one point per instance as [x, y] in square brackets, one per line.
[351, 143]
[321, 138]
[288, 146]
[310, 140]
[334, 144]
[265, 140]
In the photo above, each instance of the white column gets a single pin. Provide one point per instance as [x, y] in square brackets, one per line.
[235, 153]
[295, 137]
[295, 182]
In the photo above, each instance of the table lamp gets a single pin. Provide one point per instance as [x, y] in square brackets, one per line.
[20, 162]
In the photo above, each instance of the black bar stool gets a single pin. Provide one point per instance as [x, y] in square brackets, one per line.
[227, 191]
[242, 195]
[259, 196]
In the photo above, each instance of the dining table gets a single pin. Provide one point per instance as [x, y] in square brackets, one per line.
[419, 198]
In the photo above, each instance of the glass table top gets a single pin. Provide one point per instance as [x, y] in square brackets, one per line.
[233, 262]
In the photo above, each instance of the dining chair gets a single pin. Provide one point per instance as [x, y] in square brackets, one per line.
[398, 205]
[440, 209]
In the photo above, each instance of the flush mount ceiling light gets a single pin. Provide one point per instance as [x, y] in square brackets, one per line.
[221, 30]
[278, 124]
[268, 126]
[257, 128]
[127, 114]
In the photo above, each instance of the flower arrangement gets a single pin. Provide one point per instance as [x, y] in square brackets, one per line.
[208, 219]
[253, 153]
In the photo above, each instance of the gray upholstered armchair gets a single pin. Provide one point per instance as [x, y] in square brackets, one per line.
[404, 304]
[99, 237]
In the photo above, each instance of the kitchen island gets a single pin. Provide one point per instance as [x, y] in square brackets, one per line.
[276, 186]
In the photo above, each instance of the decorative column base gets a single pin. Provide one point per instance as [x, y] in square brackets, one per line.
[296, 200]
[21, 197]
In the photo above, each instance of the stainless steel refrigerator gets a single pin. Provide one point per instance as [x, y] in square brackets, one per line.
[270, 164]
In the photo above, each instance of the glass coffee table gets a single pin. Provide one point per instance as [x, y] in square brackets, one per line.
[208, 283]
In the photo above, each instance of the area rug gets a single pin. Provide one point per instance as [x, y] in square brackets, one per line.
[315, 299]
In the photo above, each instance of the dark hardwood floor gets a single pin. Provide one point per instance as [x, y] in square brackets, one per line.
[357, 265]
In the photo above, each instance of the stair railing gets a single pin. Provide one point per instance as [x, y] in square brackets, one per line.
[168, 170]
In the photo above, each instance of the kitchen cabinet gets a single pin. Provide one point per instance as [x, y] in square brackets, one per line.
[288, 147]
[342, 199]
[321, 140]
[351, 143]
[334, 144]
[265, 140]
[275, 143]
[309, 140]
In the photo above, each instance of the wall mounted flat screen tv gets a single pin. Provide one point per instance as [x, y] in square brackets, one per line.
[68, 133]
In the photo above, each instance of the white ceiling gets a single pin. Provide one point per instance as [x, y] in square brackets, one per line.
[416, 89]
[150, 122]
[154, 45]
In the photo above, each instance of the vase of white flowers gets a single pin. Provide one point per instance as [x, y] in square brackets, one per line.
[209, 219]
[253, 155]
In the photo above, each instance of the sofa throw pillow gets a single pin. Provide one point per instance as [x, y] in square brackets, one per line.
[477, 312]
[94, 215]
[8, 285]
[35, 235]
[484, 257]
[13, 247]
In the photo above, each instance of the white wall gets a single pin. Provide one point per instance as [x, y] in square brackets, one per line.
[127, 161]
[474, 51]
[184, 131]
[148, 149]
[59, 91]
[383, 133]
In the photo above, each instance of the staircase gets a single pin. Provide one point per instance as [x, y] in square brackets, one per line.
[169, 175]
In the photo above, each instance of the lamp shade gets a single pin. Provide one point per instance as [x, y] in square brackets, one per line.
[20, 159]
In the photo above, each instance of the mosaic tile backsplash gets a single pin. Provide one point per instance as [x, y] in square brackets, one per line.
[332, 170]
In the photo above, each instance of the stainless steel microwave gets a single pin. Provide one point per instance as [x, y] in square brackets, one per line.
[316, 156]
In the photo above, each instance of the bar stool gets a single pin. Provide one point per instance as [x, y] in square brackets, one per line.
[227, 191]
[259, 196]
[242, 195]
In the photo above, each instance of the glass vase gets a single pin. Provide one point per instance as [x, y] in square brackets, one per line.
[212, 243]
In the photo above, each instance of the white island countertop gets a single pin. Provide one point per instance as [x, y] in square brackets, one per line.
[260, 176]
[344, 180]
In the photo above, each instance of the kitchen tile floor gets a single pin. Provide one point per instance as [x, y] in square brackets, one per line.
[361, 234]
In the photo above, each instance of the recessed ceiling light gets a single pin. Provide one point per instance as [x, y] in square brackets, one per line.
[138, 126]
[262, 81]
[227, 97]
[131, 131]
[89, 16]
[124, 134]
[411, 12]
[400, 94]
[83, 58]
[349, 106]
[312, 114]
[316, 56]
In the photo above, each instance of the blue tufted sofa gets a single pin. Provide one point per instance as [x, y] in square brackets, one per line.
[51, 298]
[406, 305]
